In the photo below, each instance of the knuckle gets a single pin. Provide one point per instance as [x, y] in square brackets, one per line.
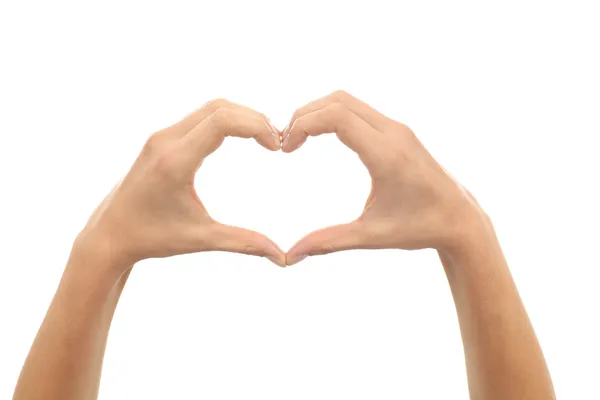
[152, 143]
[403, 129]
[337, 110]
[296, 114]
[166, 164]
[340, 96]
[220, 117]
[216, 104]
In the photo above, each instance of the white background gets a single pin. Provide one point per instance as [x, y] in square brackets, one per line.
[506, 95]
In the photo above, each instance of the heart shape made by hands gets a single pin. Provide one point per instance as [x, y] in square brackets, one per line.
[413, 203]
[281, 195]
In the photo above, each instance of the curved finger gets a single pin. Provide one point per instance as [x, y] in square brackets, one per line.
[181, 128]
[328, 240]
[244, 241]
[373, 117]
[352, 130]
[206, 137]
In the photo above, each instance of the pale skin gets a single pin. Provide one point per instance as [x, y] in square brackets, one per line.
[414, 204]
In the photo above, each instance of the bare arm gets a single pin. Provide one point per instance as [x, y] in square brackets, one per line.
[66, 357]
[153, 212]
[504, 359]
[414, 204]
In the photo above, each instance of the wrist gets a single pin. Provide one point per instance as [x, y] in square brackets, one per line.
[470, 228]
[473, 243]
[89, 279]
[99, 254]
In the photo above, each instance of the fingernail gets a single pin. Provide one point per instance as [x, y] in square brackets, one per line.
[276, 137]
[285, 142]
[285, 131]
[277, 140]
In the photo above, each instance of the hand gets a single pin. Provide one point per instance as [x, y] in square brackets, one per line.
[413, 204]
[155, 211]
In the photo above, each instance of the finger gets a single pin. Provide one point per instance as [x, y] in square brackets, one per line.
[328, 240]
[373, 117]
[184, 126]
[353, 131]
[244, 241]
[206, 137]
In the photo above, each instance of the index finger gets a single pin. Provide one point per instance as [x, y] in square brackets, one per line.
[370, 115]
[352, 130]
[207, 136]
[181, 128]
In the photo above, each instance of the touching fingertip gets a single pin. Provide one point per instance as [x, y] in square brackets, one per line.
[285, 146]
[277, 142]
[277, 261]
[291, 260]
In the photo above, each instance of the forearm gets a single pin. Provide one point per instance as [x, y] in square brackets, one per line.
[65, 360]
[504, 359]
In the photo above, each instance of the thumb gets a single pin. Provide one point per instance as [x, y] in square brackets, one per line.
[239, 240]
[328, 240]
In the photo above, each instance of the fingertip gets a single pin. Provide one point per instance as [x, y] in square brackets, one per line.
[278, 260]
[292, 145]
[285, 145]
[291, 259]
[294, 140]
[297, 253]
[275, 254]
[269, 142]
[273, 140]
[286, 131]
